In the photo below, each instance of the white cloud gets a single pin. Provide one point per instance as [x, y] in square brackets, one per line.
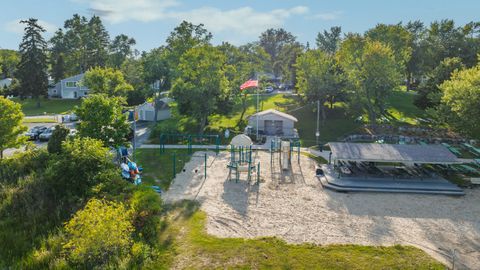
[328, 16]
[243, 21]
[117, 11]
[16, 27]
[233, 24]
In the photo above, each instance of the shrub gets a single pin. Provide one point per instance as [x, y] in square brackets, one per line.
[59, 135]
[99, 234]
[146, 205]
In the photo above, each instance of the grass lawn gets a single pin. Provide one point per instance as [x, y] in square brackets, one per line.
[39, 120]
[338, 123]
[400, 106]
[186, 245]
[158, 168]
[49, 106]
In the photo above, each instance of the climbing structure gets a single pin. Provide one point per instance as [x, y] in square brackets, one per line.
[242, 160]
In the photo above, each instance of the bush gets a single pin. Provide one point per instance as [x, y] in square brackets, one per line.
[78, 167]
[146, 205]
[99, 234]
[59, 135]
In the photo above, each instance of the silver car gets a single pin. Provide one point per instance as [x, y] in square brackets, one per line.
[45, 136]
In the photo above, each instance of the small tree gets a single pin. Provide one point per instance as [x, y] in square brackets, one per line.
[101, 118]
[459, 105]
[99, 234]
[106, 81]
[59, 135]
[11, 128]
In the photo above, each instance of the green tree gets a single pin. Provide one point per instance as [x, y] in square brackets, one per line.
[81, 165]
[319, 78]
[99, 234]
[156, 67]
[273, 41]
[9, 60]
[59, 135]
[101, 118]
[416, 64]
[329, 41]
[396, 37]
[372, 72]
[106, 81]
[57, 56]
[11, 128]
[183, 38]
[32, 68]
[459, 106]
[245, 61]
[428, 92]
[120, 50]
[201, 83]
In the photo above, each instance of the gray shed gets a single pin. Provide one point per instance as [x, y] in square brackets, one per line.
[274, 123]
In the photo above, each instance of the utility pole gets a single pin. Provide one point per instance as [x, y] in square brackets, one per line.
[317, 133]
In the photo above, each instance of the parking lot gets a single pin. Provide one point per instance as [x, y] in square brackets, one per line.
[11, 151]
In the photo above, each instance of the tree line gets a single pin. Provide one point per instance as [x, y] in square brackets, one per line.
[359, 69]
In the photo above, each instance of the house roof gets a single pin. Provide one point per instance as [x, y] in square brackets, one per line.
[74, 77]
[398, 153]
[272, 111]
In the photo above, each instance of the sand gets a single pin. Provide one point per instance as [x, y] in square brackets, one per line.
[293, 205]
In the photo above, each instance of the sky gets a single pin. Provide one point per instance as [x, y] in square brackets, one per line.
[238, 22]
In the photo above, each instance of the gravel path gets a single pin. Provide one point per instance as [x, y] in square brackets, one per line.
[294, 206]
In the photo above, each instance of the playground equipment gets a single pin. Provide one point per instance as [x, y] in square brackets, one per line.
[129, 169]
[190, 140]
[284, 150]
[241, 159]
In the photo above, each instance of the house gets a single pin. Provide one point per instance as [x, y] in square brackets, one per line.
[69, 88]
[146, 111]
[273, 123]
[5, 82]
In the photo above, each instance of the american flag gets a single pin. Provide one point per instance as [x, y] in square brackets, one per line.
[248, 84]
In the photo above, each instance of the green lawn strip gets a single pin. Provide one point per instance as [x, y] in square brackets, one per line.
[158, 167]
[39, 120]
[49, 106]
[193, 248]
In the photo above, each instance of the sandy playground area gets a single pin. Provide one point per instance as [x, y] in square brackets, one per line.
[294, 206]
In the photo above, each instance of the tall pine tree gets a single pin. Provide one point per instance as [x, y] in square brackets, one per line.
[32, 69]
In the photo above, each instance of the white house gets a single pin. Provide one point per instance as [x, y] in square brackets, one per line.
[5, 82]
[69, 88]
[274, 123]
[146, 111]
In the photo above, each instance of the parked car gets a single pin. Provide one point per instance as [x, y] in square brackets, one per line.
[69, 117]
[45, 136]
[269, 89]
[35, 132]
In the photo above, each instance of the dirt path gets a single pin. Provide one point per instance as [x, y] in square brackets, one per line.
[294, 206]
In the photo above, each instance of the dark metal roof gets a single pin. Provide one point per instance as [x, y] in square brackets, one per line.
[400, 153]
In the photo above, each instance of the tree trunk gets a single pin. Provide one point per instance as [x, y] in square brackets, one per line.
[244, 109]
[203, 123]
[38, 102]
[1, 154]
[409, 80]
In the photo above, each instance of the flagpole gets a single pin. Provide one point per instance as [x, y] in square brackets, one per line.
[257, 114]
